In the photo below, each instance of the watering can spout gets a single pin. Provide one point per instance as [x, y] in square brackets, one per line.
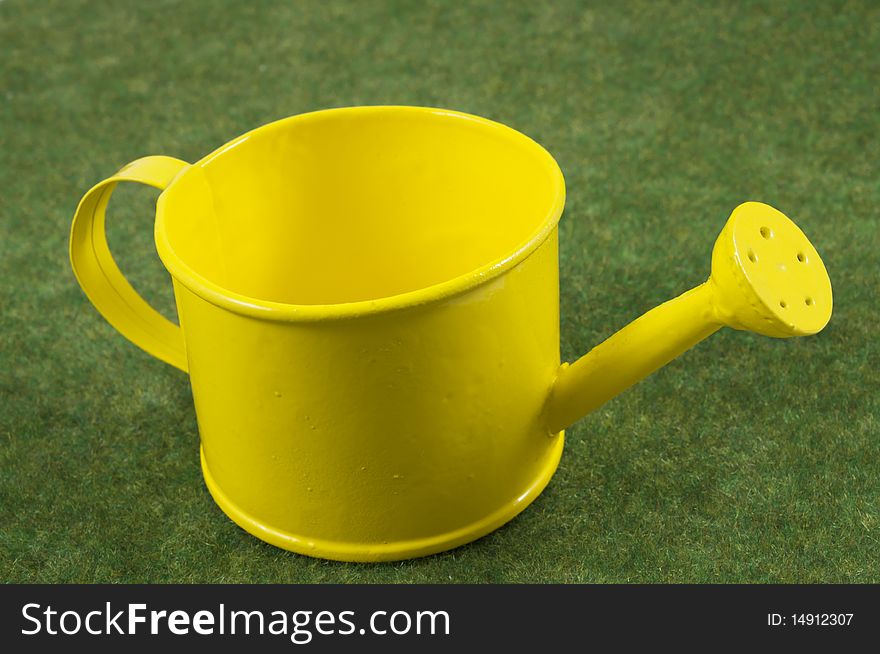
[766, 278]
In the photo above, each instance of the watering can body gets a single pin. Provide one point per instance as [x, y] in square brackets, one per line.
[369, 314]
[381, 436]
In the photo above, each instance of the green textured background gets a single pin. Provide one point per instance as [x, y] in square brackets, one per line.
[748, 459]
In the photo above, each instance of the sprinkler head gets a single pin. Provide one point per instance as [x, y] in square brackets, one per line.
[767, 276]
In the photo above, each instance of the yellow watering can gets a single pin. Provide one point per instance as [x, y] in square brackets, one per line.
[369, 315]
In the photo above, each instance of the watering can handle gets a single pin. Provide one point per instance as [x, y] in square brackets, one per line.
[100, 277]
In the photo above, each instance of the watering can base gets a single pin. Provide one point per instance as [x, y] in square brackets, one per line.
[392, 550]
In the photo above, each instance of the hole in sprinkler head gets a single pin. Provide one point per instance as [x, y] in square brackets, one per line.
[783, 303]
[752, 257]
[765, 232]
[808, 301]
[802, 257]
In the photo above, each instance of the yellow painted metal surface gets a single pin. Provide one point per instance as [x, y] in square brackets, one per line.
[766, 277]
[368, 302]
[100, 277]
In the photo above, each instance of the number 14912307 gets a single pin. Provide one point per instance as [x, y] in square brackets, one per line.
[809, 619]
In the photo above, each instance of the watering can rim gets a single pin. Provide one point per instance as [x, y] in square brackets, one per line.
[288, 312]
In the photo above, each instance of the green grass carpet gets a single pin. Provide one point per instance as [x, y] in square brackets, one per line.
[748, 459]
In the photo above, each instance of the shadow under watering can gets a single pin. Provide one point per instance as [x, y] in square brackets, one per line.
[369, 315]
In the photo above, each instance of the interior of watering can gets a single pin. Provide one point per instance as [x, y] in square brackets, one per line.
[351, 205]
